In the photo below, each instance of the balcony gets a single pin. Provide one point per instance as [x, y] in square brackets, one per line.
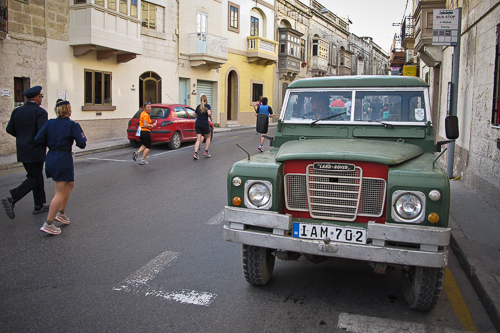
[290, 61]
[429, 54]
[94, 28]
[408, 33]
[262, 51]
[398, 54]
[207, 49]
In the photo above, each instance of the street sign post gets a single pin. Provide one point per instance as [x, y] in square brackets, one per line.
[445, 30]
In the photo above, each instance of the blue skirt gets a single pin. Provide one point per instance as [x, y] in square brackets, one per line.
[59, 166]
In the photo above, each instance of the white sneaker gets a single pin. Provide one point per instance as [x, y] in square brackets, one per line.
[143, 161]
[50, 229]
[62, 218]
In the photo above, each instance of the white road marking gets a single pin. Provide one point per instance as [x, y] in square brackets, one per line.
[139, 283]
[363, 324]
[108, 159]
[217, 219]
[147, 272]
[185, 296]
[173, 151]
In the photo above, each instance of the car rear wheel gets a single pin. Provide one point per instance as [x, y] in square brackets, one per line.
[134, 143]
[175, 141]
[422, 287]
[258, 264]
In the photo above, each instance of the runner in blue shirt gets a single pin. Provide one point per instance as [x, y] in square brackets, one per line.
[264, 109]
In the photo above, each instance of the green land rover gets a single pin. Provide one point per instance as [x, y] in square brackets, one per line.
[352, 174]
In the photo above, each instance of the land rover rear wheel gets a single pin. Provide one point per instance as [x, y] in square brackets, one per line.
[422, 287]
[258, 264]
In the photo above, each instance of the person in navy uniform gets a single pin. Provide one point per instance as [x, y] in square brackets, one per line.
[24, 124]
[59, 134]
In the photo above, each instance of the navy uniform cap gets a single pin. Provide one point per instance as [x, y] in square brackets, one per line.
[33, 92]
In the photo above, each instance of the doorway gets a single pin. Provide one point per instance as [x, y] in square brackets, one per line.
[149, 88]
[232, 95]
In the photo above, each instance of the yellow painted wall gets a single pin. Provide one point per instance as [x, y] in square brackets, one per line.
[245, 114]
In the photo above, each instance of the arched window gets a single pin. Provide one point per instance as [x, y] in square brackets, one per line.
[149, 88]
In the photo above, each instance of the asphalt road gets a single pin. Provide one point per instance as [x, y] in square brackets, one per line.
[144, 253]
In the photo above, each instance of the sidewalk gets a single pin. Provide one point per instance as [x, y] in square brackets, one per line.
[475, 224]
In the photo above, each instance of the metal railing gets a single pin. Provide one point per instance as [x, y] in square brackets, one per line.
[207, 44]
[408, 28]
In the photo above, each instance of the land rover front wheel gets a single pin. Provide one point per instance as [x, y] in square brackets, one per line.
[258, 264]
[422, 287]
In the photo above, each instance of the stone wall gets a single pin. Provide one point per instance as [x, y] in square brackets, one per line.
[23, 55]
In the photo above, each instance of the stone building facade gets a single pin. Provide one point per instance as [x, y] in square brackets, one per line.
[477, 150]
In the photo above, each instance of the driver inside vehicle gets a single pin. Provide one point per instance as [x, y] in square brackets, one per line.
[320, 108]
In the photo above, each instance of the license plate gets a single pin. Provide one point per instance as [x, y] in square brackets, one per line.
[334, 232]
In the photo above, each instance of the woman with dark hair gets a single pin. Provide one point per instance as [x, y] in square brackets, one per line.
[202, 127]
[59, 134]
[146, 125]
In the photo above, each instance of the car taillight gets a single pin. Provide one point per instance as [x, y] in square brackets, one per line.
[166, 123]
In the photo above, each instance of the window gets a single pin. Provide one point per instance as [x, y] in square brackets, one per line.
[97, 88]
[303, 49]
[123, 7]
[148, 15]
[20, 85]
[257, 91]
[201, 25]
[282, 48]
[111, 4]
[3, 15]
[234, 17]
[133, 8]
[495, 118]
[254, 26]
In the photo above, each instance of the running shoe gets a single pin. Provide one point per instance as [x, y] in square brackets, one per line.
[143, 161]
[195, 156]
[261, 149]
[62, 218]
[8, 205]
[207, 154]
[134, 155]
[39, 210]
[50, 229]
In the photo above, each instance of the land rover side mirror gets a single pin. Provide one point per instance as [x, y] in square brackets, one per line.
[263, 125]
[451, 128]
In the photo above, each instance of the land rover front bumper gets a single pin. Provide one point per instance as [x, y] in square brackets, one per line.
[390, 243]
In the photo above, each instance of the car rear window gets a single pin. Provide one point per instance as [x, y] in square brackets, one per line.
[159, 113]
[156, 113]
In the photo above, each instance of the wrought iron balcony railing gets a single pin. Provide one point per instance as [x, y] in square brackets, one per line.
[207, 44]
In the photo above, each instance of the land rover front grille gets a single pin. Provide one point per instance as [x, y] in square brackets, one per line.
[337, 195]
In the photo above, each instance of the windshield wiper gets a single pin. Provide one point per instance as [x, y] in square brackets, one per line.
[386, 125]
[335, 115]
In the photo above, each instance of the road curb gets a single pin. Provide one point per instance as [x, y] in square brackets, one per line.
[478, 280]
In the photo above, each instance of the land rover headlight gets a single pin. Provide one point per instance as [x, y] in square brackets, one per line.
[258, 194]
[408, 206]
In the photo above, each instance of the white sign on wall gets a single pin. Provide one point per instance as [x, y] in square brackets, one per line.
[445, 30]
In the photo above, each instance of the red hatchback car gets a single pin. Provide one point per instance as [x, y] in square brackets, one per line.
[175, 124]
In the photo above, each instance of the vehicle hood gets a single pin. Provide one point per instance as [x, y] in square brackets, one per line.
[384, 152]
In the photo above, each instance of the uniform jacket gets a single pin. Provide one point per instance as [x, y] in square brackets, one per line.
[24, 124]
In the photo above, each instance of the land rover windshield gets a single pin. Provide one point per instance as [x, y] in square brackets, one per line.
[401, 106]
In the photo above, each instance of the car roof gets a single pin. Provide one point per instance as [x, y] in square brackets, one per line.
[161, 105]
[359, 81]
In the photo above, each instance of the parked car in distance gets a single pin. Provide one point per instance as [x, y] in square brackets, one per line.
[175, 125]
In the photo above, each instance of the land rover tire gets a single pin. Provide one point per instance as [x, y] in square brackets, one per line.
[422, 287]
[258, 264]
